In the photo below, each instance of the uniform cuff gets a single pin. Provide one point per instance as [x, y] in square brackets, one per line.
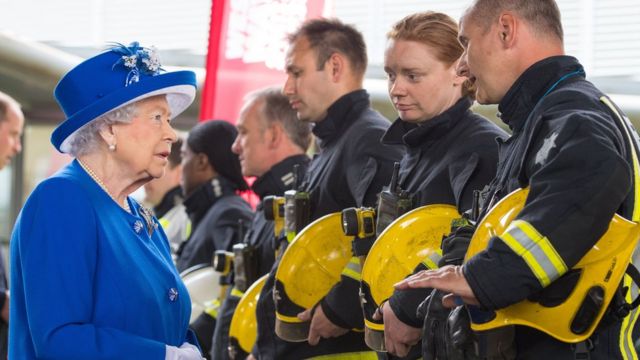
[342, 304]
[404, 304]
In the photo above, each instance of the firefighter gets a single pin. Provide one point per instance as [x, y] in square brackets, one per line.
[574, 151]
[270, 142]
[211, 176]
[325, 67]
[450, 151]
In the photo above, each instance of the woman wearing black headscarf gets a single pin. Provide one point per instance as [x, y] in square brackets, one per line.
[211, 178]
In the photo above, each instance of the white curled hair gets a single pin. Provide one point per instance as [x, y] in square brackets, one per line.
[87, 139]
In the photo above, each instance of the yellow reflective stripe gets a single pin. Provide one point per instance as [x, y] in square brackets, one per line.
[372, 325]
[636, 164]
[627, 346]
[211, 307]
[289, 319]
[237, 293]
[353, 269]
[431, 261]
[187, 230]
[164, 223]
[362, 355]
[536, 250]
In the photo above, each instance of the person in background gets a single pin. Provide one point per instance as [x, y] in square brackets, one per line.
[577, 155]
[211, 178]
[11, 125]
[325, 65]
[450, 150]
[91, 270]
[270, 142]
[165, 195]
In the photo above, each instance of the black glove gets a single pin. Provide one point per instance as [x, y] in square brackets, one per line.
[460, 333]
[446, 334]
[455, 246]
[438, 340]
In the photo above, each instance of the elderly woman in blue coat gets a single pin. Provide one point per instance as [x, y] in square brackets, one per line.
[91, 271]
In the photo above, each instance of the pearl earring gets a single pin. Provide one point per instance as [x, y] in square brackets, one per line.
[112, 147]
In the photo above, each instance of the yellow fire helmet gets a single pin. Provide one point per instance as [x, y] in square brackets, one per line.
[594, 279]
[309, 268]
[244, 327]
[412, 238]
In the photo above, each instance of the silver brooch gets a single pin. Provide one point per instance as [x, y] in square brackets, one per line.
[173, 294]
[147, 215]
[137, 226]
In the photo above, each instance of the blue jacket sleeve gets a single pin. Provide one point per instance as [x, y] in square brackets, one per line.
[57, 237]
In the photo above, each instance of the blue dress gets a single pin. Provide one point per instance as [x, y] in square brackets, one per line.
[88, 282]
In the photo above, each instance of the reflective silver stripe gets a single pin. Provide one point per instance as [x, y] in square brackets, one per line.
[536, 250]
[353, 269]
[431, 261]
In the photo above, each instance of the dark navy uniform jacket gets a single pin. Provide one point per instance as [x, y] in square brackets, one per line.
[572, 152]
[214, 210]
[261, 236]
[446, 159]
[349, 171]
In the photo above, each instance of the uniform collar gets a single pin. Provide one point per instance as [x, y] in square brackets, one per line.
[338, 116]
[172, 198]
[206, 195]
[279, 178]
[419, 135]
[531, 87]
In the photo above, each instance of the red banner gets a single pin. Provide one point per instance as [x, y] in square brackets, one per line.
[247, 47]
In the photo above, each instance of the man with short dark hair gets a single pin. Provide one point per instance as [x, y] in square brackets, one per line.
[325, 67]
[11, 124]
[575, 152]
[270, 142]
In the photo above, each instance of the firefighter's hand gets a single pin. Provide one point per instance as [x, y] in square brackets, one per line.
[448, 279]
[398, 336]
[320, 327]
[250, 357]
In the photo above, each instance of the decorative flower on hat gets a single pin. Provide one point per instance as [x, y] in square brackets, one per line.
[138, 60]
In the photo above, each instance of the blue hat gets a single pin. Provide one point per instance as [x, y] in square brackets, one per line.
[115, 78]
